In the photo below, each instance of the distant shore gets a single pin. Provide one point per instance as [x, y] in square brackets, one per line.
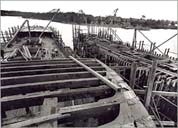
[78, 18]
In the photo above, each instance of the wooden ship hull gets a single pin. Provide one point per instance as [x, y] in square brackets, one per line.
[44, 84]
[152, 76]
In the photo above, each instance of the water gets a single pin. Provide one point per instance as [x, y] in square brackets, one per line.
[155, 35]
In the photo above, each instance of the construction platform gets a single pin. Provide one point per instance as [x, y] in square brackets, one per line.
[151, 73]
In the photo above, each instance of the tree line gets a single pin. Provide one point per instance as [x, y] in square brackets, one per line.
[81, 18]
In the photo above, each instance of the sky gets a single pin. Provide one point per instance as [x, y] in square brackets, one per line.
[166, 10]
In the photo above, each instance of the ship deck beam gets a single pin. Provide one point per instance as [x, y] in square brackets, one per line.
[38, 60]
[67, 61]
[33, 99]
[105, 80]
[49, 66]
[47, 71]
[49, 85]
[47, 77]
[89, 109]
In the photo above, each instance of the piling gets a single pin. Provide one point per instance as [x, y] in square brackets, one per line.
[150, 83]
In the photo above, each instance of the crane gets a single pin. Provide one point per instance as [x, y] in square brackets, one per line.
[115, 12]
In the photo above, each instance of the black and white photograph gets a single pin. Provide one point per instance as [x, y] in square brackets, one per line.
[106, 64]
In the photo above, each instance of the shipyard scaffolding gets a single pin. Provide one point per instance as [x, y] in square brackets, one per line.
[151, 73]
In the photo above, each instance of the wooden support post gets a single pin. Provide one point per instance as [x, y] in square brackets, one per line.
[167, 53]
[133, 74]
[73, 32]
[49, 107]
[96, 30]
[134, 38]
[4, 39]
[142, 48]
[135, 44]
[7, 35]
[135, 35]
[89, 29]
[13, 31]
[139, 45]
[151, 47]
[88, 26]
[10, 33]
[150, 83]
[115, 32]
[18, 27]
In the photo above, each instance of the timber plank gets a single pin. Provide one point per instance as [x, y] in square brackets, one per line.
[30, 67]
[34, 99]
[48, 108]
[46, 77]
[43, 62]
[49, 85]
[47, 71]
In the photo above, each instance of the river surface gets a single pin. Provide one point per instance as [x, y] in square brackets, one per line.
[155, 35]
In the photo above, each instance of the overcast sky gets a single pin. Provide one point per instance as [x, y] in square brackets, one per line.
[127, 9]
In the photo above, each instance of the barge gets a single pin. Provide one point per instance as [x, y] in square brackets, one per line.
[46, 84]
